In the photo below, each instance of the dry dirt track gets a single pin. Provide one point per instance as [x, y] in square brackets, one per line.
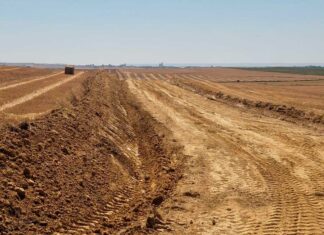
[245, 173]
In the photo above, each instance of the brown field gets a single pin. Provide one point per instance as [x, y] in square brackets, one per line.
[227, 74]
[304, 95]
[161, 151]
[11, 75]
[24, 82]
[51, 99]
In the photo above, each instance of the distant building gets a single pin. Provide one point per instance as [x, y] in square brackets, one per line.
[161, 65]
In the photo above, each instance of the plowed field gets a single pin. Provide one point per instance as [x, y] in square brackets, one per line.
[163, 151]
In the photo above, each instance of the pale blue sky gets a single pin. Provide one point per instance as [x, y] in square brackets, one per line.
[172, 31]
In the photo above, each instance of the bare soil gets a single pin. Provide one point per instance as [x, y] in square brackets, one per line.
[227, 74]
[165, 151]
[58, 97]
[245, 172]
[11, 75]
[7, 95]
[99, 165]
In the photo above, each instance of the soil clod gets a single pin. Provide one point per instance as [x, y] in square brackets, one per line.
[158, 200]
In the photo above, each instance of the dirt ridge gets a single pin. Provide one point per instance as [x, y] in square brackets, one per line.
[82, 168]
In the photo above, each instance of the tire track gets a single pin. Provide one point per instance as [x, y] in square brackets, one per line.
[119, 203]
[121, 75]
[160, 76]
[147, 76]
[292, 205]
[131, 195]
[154, 76]
[37, 93]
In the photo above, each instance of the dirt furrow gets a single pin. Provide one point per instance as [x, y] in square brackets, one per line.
[145, 151]
[100, 165]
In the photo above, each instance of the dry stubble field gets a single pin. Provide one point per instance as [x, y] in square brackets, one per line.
[170, 151]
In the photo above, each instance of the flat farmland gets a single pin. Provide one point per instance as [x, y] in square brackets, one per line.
[51, 99]
[163, 151]
[29, 92]
[227, 74]
[11, 75]
[307, 95]
[303, 92]
[253, 160]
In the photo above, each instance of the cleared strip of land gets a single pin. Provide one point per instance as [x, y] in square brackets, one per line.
[58, 97]
[8, 77]
[14, 93]
[36, 93]
[29, 81]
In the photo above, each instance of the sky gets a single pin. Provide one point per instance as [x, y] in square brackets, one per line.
[169, 31]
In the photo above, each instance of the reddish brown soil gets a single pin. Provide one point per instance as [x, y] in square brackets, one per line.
[58, 97]
[16, 92]
[7, 67]
[169, 151]
[94, 166]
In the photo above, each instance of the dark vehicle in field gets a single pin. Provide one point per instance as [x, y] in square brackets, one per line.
[69, 70]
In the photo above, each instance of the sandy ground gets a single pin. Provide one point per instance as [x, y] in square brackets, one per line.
[245, 173]
[307, 95]
[225, 74]
[162, 152]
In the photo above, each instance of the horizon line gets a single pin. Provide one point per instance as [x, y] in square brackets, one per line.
[162, 64]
